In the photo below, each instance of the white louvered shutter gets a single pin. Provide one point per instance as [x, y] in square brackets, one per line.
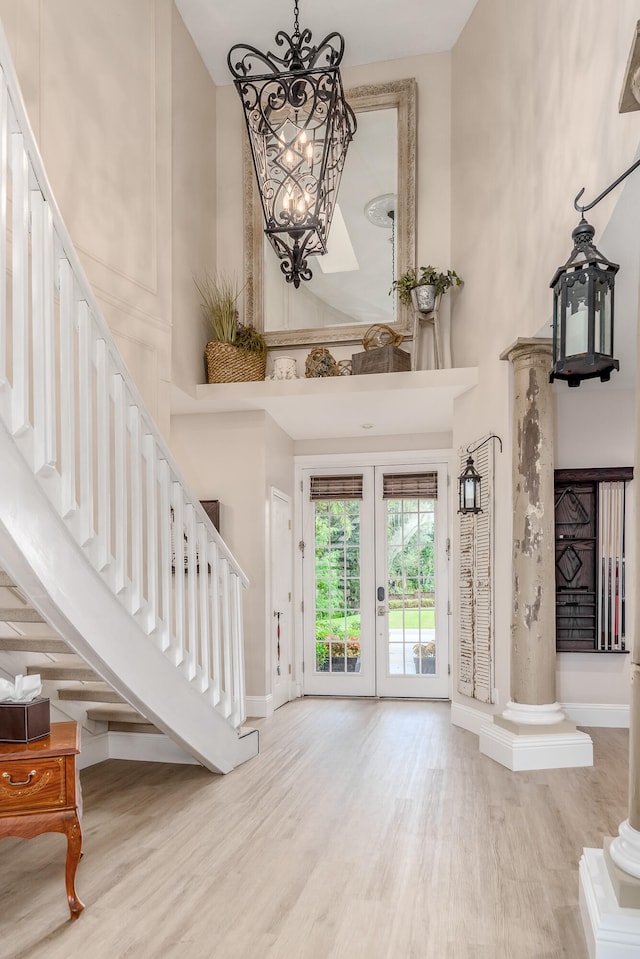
[475, 613]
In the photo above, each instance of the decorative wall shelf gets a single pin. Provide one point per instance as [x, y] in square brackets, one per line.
[379, 404]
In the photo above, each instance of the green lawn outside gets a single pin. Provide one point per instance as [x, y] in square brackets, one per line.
[413, 619]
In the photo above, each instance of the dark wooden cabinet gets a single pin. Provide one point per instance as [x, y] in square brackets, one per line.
[589, 573]
[576, 516]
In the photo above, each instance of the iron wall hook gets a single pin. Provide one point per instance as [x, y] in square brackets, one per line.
[589, 206]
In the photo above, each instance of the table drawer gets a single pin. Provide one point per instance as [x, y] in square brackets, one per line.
[28, 785]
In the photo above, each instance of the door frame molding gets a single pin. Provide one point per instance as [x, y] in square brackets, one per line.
[292, 691]
[345, 460]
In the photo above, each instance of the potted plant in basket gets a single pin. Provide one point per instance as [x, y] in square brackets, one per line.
[234, 353]
[424, 657]
[423, 289]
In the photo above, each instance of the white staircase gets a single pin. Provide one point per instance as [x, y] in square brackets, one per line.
[91, 501]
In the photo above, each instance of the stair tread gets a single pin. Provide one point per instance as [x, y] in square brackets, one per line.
[119, 712]
[66, 666]
[33, 644]
[20, 614]
[94, 692]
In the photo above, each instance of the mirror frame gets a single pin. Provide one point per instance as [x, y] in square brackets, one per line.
[400, 94]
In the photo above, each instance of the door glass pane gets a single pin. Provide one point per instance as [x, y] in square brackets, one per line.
[337, 586]
[411, 586]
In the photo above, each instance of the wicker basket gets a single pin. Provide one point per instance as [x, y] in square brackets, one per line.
[226, 363]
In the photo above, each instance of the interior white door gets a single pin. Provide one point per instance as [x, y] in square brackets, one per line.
[281, 590]
[375, 581]
[412, 578]
[338, 584]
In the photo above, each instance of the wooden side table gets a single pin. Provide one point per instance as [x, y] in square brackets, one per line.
[38, 794]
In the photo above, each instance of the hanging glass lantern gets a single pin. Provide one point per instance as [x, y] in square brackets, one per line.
[299, 127]
[470, 481]
[583, 312]
[470, 489]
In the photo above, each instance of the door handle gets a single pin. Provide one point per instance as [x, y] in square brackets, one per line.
[380, 594]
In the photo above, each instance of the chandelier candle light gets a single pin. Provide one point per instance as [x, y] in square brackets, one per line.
[299, 127]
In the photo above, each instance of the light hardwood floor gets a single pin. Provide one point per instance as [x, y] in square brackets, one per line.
[364, 829]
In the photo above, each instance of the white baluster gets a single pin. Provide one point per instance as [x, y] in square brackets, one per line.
[238, 714]
[137, 558]
[227, 655]
[85, 421]
[179, 574]
[67, 389]
[191, 663]
[203, 609]
[20, 284]
[166, 577]
[103, 437]
[149, 449]
[214, 620]
[120, 498]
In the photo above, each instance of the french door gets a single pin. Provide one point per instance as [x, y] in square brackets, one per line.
[375, 581]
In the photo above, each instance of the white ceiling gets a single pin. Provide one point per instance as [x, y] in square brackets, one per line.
[372, 32]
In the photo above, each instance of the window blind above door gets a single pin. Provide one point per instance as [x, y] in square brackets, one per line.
[410, 485]
[335, 487]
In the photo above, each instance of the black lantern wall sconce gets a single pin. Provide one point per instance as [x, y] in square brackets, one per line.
[299, 127]
[470, 481]
[583, 299]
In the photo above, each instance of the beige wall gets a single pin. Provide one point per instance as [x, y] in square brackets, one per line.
[535, 87]
[535, 117]
[193, 227]
[123, 112]
[236, 458]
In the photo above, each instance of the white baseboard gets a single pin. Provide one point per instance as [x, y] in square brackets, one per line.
[538, 751]
[151, 748]
[598, 714]
[93, 749]
[148, 747]
[611, 932]
[469, 718]
[258, 707]
[582, 714]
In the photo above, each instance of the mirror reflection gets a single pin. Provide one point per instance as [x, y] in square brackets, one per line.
[372, 236]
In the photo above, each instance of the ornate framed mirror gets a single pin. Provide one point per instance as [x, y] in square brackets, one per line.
[372, 238]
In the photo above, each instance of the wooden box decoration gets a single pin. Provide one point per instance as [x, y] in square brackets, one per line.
[24, 722]
[385, 359]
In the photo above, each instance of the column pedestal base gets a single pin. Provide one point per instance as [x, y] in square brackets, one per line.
[611, 931]
[537, 749]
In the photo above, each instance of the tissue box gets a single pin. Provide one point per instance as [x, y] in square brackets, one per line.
[24, 722]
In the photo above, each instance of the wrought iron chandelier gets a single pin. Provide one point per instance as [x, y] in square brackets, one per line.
[299, 127]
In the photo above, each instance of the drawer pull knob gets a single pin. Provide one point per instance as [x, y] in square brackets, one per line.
[25, 783]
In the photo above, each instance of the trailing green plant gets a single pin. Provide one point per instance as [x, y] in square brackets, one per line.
[427, 276]
[248, 338]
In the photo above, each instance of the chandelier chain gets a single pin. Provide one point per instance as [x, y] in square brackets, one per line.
[296, 19]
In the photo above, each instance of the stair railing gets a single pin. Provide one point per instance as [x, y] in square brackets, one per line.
[71, 407]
